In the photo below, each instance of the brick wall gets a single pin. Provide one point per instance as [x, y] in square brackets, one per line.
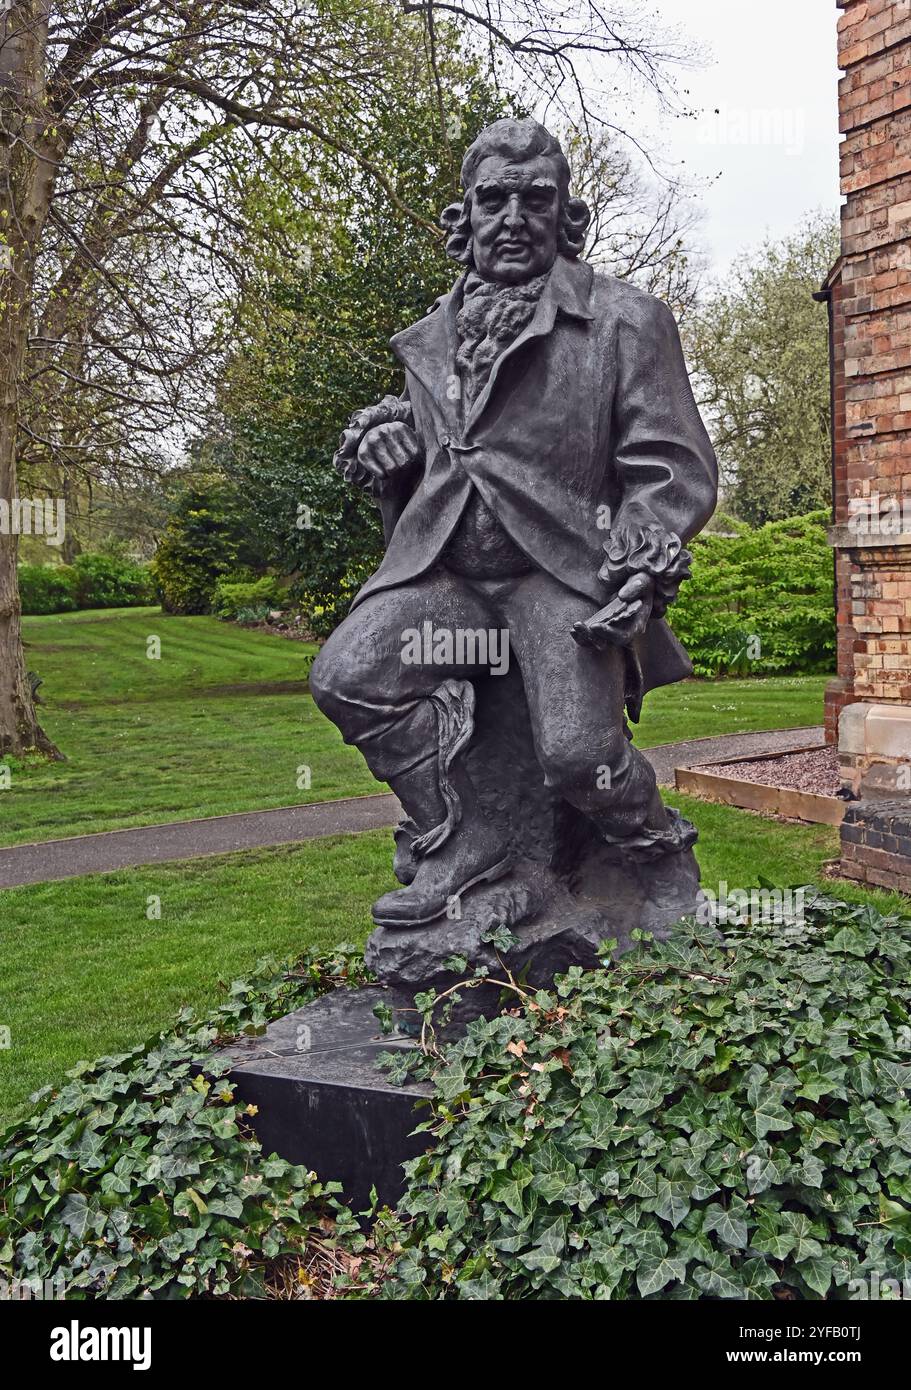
[870, 307]
[876, 844]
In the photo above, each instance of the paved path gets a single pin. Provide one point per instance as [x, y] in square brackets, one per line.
[193, 839]
[668, 756]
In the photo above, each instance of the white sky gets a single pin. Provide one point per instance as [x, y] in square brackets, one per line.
[772, 74]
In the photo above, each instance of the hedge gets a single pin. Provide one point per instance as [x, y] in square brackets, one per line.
[47, 588]
[92, 581]
[233, 597]
[761, 601]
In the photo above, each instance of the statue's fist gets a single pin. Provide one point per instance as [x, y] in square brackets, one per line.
[388, 453]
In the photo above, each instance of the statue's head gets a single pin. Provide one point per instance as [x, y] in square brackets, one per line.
[517, 215]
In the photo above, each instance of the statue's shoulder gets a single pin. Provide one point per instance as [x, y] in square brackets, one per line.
[613, 299]
[431, 309]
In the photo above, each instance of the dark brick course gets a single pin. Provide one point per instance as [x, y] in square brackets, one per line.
[876, 843]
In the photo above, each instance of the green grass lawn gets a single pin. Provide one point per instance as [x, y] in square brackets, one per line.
[85, 971]
[213, 727]
[202, 732]
[701, 709]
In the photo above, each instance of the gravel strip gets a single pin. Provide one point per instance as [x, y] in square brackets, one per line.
[815, 771]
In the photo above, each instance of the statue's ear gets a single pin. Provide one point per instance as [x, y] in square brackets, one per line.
[451, 216]
[456, 221]
[576, 219]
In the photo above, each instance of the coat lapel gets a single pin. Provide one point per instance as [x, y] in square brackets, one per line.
[567, 291]
[428, 349]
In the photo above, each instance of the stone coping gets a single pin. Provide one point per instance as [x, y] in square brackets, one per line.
[843, 537]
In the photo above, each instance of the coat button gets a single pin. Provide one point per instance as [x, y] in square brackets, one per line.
[445, 440]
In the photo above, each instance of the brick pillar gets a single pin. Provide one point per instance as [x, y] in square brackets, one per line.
[839, 691]
[870, 308]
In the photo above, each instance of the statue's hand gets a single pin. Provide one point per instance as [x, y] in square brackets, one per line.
[389, 453]
[624, 618]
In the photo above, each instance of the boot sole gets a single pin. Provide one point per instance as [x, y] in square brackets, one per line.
[488, 876]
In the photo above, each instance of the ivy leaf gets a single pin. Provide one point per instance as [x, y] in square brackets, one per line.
[655, 1272]
[893, 1213]
[645, 1092]
[821, 1079]
[483, 1287]
[553, 1173]
[730, 1223]
[811, 1171]
[672, 1201]
[500, 937]
[766, 1109]
[771, 1237]
[78, 1215]
[689, 1111]
[508, 1184]
[896, 1074]
[717, 1278]
[757, 1278]
[598, 1120]
[817, 1272]
[797, 1225]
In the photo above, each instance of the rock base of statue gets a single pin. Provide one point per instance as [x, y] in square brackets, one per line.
[567, 893]
[322, 1099]
[553, 926]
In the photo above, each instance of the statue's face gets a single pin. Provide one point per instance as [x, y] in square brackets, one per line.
[515, 216]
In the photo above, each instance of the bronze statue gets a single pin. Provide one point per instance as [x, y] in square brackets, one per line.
[538, 480]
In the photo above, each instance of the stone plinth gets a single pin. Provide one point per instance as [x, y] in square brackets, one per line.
[322, 1099]
[874, 749]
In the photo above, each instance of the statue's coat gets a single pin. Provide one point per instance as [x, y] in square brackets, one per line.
[589, 408]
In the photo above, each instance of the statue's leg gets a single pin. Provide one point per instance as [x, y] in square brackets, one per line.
[575, 698]
[411, 720]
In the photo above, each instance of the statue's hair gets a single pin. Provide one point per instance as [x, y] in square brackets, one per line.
[520, 141]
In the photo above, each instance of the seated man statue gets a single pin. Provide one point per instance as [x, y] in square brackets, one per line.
[538, 480]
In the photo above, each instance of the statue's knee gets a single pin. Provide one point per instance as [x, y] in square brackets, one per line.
[577, 768]
[330, 679]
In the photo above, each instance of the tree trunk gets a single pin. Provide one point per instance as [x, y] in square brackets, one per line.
[27, 169]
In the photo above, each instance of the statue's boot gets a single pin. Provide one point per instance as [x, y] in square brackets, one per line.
[451, 844]
[664, 831]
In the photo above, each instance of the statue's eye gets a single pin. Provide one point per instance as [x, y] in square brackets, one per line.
[538, 200]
